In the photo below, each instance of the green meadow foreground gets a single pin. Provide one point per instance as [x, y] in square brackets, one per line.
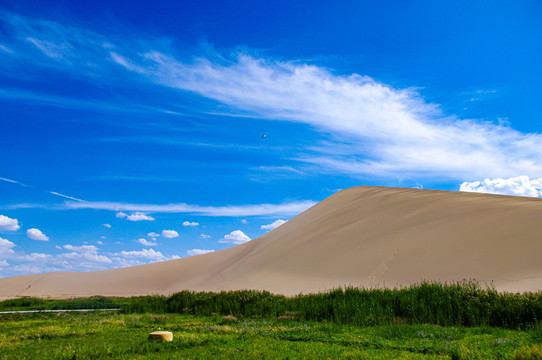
[425, 321]
[125, 336]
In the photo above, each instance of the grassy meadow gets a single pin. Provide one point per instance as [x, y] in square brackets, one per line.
[425, 321]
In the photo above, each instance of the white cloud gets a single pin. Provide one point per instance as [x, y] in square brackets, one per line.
[235, 237]
[14, 182]
[6, 49]
[8, 224]
[3, 263]
[99, 242]
[198, 252]
[153, 235]
[36, 234]
[203, 236]
[84, 259]
[375, 129]
[81, 258]
[244, 221]
[107, 225]
[145, 242]
[144, 254]
[170, 234]
[518, 186]
[82, 249]
[65, 196]
[273, 225]
[292, 208]
[5, 246]
[188, 223]
[137, 216]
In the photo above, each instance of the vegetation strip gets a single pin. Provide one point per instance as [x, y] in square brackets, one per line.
[53, 311]
[460, 304]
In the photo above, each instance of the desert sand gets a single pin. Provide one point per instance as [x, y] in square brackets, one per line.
[362, 236]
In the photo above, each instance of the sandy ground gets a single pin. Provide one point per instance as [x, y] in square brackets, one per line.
[362, 236]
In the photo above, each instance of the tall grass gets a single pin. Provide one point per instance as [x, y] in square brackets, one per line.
[29, 303]
[465, 304]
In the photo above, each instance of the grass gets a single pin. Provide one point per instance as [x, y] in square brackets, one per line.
[95, 302]
[461, 304]
[125, 336]
[429, 321]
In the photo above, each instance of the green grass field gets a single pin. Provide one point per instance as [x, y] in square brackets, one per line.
[125, 336]
[424, 321]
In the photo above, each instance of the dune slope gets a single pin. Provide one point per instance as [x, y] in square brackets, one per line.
[362, 236]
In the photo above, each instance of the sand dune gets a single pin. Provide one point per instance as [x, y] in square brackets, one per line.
[363, 236]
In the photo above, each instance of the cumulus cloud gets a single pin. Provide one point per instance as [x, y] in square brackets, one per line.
[188, 223]
[235, 237]
[144, 254]
[8, 224]
[3, 263]
[107, 225]
[198, 252]
[36, 234]
[145, 242]
[518, 186]
[5, 246]
[204, 236]
[273, 225]
[80, 258]
[137, 216]
[170, 234]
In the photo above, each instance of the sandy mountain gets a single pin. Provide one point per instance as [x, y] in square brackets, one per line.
[362, 236]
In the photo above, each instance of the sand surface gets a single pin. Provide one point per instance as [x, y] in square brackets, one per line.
[362, 236]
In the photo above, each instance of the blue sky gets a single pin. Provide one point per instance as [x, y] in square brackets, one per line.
[132, 132]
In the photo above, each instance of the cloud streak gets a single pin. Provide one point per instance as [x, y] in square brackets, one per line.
[292, 208]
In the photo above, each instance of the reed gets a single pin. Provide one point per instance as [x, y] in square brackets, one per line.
[465, 304]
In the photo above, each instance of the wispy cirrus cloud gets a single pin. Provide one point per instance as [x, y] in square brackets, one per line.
[13, 182]
[372, 128]
[65, 196]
